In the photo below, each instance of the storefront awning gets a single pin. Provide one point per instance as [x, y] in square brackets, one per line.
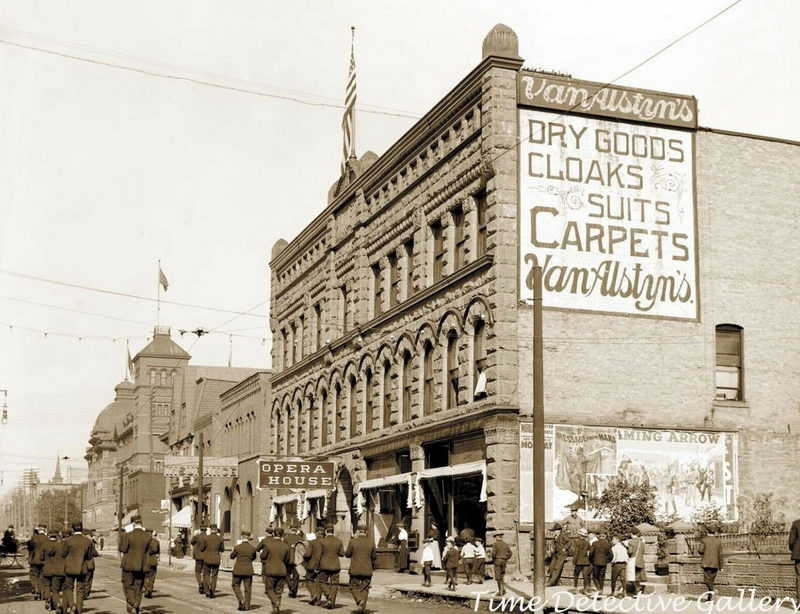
[181, 519]
[390, 480]
[455, 470]
[280, 501]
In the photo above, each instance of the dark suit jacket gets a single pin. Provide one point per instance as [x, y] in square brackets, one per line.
[500, 551]
[711, 549]
[580, 551]
[197, 551]
[135, 548]
[600, 552]
[362, 552]
[794, 540]
[36, 546]
[76, 550]
[562, 545]
[312, 554]
[53, 561]
[152, 553]
[331, 548]
[244, 554]
[450, 558]
[276, 558]
[211, 547]
[92, 554]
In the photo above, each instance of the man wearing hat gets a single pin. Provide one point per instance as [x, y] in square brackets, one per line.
[480, 560]
[427, 561]
[329, 566]
[580, 559]
[562, 547]
[294, 539]
[573, 523]
[275, 556]
[151, 568]
[244, 554]
[211, 547]
[450, 560]
[361, 550]
[53, 572]
[501, 553]
[270, 535]
[36, 545]
[77, 549]
[197, 555]
[311, 557]
[135, 549]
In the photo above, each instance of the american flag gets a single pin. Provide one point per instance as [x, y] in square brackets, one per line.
[349, 117]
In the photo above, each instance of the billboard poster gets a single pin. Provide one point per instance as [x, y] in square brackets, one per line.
[607, 208]
[686, 468]
[213, 466]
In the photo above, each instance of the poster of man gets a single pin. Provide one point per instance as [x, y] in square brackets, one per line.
[583, 455]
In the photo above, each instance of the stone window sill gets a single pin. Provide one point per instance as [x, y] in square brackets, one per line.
[731, 404]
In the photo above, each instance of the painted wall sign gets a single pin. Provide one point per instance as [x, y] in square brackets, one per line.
[566, 94]
[607, 208]
[295, 474]
[687, 468]
[213, 466]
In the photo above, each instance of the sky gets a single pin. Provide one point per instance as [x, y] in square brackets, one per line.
[106, 168]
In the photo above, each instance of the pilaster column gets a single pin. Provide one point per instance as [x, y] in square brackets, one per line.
[502, 475]
[449, 238]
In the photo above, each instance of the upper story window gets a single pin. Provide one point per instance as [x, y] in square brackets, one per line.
[368, 402]
[438, 251]
[407, 386]
[353, 408]
[480, 208]
[293, 348]
[152, 377]
[301, 331]
[323, 418]
[729, 376]
[427, 376]
[343, 307]
[286, 349]
[387, 394]
[459, 238]
[452, 369]
[377, 283]
[409, 272]
[479, 357]
[394, 280]
[318, 326]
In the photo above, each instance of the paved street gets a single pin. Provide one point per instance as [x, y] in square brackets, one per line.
[177, 592]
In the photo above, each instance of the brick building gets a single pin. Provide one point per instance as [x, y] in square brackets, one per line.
[402, 331]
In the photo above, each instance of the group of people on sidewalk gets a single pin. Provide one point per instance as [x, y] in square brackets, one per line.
[282, 556]
[61, 568]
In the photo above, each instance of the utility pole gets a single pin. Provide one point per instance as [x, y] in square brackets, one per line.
[119, 509]
[538, 438]
[150, 428]
[199, 519]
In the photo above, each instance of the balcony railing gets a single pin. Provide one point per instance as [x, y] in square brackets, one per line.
[759, 544]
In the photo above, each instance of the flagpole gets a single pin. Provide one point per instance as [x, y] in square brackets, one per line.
[352, 54]
[158, 300]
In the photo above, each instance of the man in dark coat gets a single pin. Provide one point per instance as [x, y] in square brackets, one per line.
[501, 553]
[636, 552]
[90, 570]
[135, 549]
[292, 577]
[275, 556]
[244, 553]
[331, 548]
[211, 547]
[36, 545]
[197, 555]
[711, 563]
[580, 559]
[53, 562]
[450, 560]
[361, 550]
[562, 548]
[311, 557]
[76, 551]
[599, 557]
[151, 566]
[270, 535]
[794, 547]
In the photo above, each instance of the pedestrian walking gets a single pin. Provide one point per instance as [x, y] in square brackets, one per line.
[53, 563]
[275, 556]
[450, 559]
[294, 540]
[212, 547]
[480, 560]
[636, 552]
[794, 547]
[436, 547]
[501, 553]
[711, 563]
[244, 553]
[599, 557]
[102, 542]
[76, 551]
[152, 566]
[361, 551]
[580, 560]
[427, 561]
[135, 548]
[403, 559]
[619, 560]
[311, 558]
[197, 554]
[468, 559]
[36, 545]
[90, 570]
[562, 549]
[330, 566]
[261, 550]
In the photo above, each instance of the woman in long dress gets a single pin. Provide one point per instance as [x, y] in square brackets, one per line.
[437, 550]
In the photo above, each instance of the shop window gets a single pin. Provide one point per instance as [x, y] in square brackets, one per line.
[323, 418]
[427, 392]
[387, 500]
[337, 420]
[409, 272]
[729, 371]
[479, 357]
[387, 394]
[394, 281]
[480, 208]
[353, 408]
[452, 369]
[368, 401]
[438, 251]
[377, 284]
[407, 386]
[460, 237]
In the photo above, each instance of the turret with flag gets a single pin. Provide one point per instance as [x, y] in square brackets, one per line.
[349, 117]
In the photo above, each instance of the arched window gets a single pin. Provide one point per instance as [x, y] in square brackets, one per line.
[337, 428]
[310, 424]
[323, 418]
[299, 426]
[427, 379]
[387, 394]
[479, 360]
[353, 408]
[163, 378]
[152, 377]
[452, 369]
[407, 386]
[729, 375]
[277, 446]
[368, 401]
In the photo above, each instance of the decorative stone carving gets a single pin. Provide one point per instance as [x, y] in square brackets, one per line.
[486, 169]
[501, 41]
[502, 435]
